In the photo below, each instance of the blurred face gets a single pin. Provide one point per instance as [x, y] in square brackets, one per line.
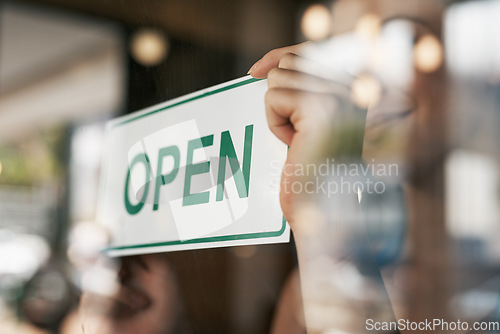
[146, 301]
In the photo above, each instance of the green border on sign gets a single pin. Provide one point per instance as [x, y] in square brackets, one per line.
[255, 235]
[193, 98]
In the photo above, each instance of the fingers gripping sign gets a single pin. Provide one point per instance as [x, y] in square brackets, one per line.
[302, 108]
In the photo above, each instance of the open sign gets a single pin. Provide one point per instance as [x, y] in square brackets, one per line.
[195, 172]
[241, 174]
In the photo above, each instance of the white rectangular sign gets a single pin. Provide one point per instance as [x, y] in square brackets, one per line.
[199, 171]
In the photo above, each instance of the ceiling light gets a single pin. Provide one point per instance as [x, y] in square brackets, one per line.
[149, 47]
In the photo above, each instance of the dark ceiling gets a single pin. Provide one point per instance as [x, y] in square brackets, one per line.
[244, 25]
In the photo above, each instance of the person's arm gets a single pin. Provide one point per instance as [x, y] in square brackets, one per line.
[315, 117]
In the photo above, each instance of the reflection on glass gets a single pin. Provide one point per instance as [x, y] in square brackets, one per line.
[405, 229]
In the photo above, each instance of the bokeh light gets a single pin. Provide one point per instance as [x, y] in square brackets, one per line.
[316, 22]
[366, 91]
[428, 54]
[149, 47]
[22, 254]
[368, 26]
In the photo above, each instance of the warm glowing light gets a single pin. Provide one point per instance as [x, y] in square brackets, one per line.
[1, 168]
[366, 91]
[368, 26]
[428, 54]
[316, 22]
[149, 47]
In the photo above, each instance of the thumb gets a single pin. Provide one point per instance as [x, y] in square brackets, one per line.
[261, 68]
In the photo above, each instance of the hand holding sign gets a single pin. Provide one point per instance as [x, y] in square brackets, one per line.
[302, 109]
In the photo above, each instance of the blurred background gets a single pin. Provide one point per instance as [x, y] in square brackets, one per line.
[432, 66]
